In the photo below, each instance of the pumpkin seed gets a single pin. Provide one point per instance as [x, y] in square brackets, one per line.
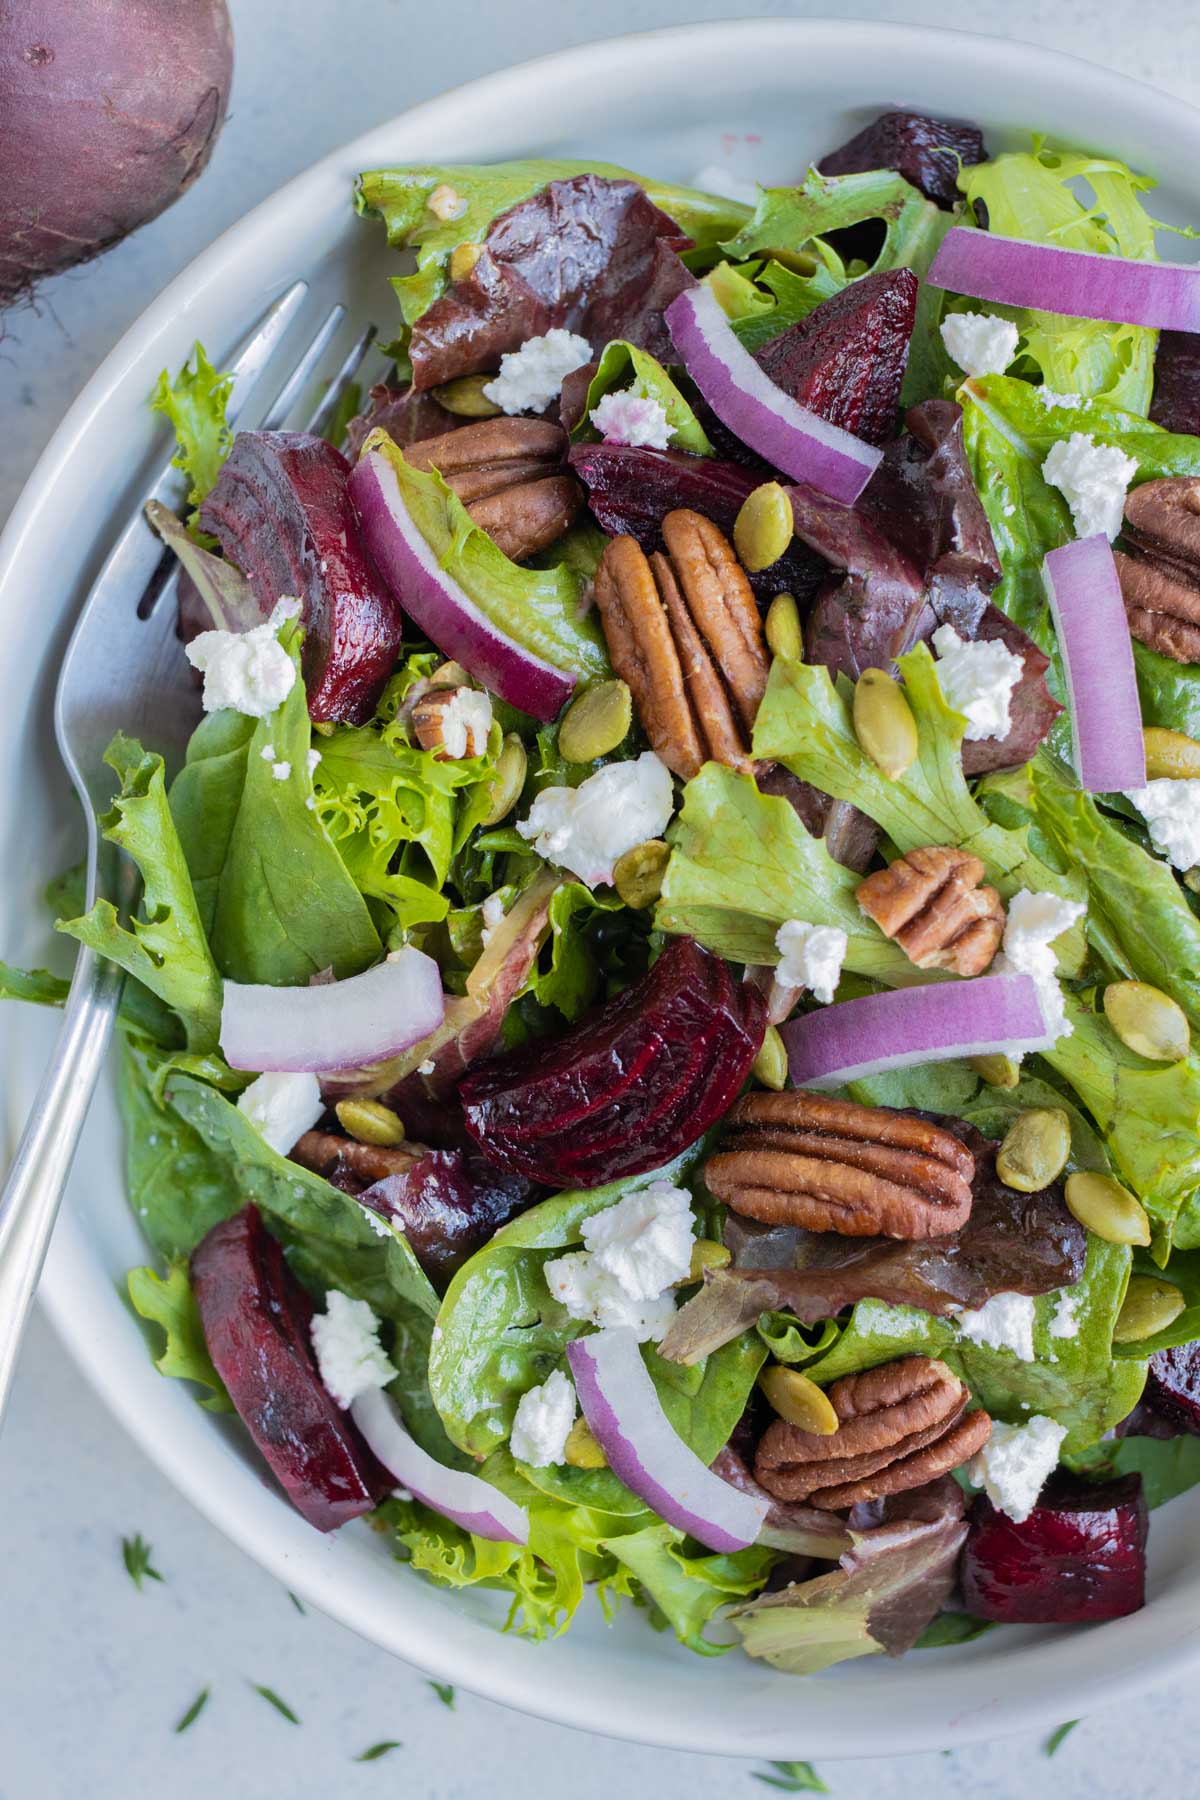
[883, 723]
[997, 1071]
[1147, 1021]
[638, 875]
[1107, 1208]
[707, 1254]
[1149, 1306]
[799, 1400]
[770, 1066]
[507, 782]
[370, 1121]
[785, 635]
[1035, 1149]
[466, 399]
[595, 724]
[764, 527]
[1170, 755]
[582, 1451]
[463, 258]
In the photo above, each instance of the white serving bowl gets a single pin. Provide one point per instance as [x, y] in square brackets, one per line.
[770, 95]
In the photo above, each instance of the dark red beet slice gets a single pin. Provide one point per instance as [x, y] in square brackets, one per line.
[448, 1205]
[281, 512]
[628, 1087]
[846, 360]
[1079, 1557]
[256, 1320]
[1173, 1386]
[1176, 402]
[925, 151]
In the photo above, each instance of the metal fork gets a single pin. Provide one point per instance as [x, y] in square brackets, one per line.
[124, 670]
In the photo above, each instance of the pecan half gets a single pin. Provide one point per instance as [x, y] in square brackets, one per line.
[684, 632]
[1160, 570]
[511, 476]
[325, 1153]
[799, 1158]
[453, 722]
[931, 903]
[899, 1426]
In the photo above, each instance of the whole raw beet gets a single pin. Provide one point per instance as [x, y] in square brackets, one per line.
[926, 151]
[109, 109]
[846, 360]
[281, 511]
[256, 1320]
[1079, 1557]
[629, 1086]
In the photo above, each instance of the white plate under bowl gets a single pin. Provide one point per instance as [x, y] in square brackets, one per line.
[774, 94]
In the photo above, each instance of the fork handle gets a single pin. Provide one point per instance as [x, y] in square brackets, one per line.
[30, 1200]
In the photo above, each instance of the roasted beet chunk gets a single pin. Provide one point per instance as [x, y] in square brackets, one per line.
[1080, 1556]
[846, 360]
[256, 1320]
[629, 1086]
[281, 512]
[927, 152]
[1176, 402]
[1173, 1386]
[592, 255]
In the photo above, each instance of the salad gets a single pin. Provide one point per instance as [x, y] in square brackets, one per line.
[656, 1052]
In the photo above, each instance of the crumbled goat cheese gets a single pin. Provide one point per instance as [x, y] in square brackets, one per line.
[311, 803]
[715, 178]
[281, 770]
[531, 377]
[1049, 398]
[980, 343]
[633, 419]
[587, 1292]
[267, 753]
[585, 829]
[312, 758]
[810, 956]
[543, 1423]
[1032, 924]
[446, 203]
[1005, 1322]
[977, 680]
[1171, 810]
[1013, 1465]
[1064, 1320]
[492, 912]
[379, 1226]
[466, 720]
[427, 1067]
[282, 1107]
[248, 671]
[645, 1240]
[349, 1355]
[1092, 478]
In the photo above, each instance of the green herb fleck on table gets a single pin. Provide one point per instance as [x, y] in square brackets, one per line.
[273, 1699]
[380, 1749]
[298, 1604]
[793, 1778]
[136, 1553]
[1056, 1738]
[444, 1692]
[194, 1710]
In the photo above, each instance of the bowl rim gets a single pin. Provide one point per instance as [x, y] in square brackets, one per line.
[462, 1651]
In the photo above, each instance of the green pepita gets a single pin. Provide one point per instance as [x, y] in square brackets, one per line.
[370, 1121]
[764, 527]
[1147, 1021]
[463, 258]
[707, 1254]
[1107, 1208]
[1035, 1149]
[1149, 1306]
[506, 784]
[784, 632]
[595, 724]
[1170, 755]
[582, 1451]
[884, 724]
[770, 1066]
[799, 1400]
[638, 875]
[997, 1071]
[465, 397]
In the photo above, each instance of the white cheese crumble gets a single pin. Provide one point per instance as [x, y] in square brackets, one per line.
[268, 753]
[282, 1107]
[543, 1423]
[1050, 397]
[349, 1355]
[1064, 1320]
[1013, 1465]
[446, 203]
[634, 419]
[1171, 810]
[645, 1240]
[1092, 479]
[980, 342]
[466, 720]
[1005, 1322]
[586, 1292]
[248, 671]
[312, 758]
[585, 829]
[281, 770]
[715, 178]
[492, 911]
[531, 377]
[1032, 924]
[811, 956]
[977, 680]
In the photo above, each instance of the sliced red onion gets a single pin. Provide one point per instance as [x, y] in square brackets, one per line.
[1093, 635]
[440, 606]
[468, 1500]
[337, 1024]
[856, 1038]
[1079, 283]
[788, 435]
[646, 1452]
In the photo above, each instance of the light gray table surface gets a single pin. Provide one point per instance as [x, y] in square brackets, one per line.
[94, 1674]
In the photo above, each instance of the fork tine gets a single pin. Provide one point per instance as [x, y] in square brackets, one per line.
[289, 393]
[319, 421]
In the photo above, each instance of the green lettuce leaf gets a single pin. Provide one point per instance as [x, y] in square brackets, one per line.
[624, 366]
[195, 404]
[165, 948]
[757, 317]
[538, 607]
[274, 895]
[171, 1304]
[1167, 1466]
[687, 1591]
